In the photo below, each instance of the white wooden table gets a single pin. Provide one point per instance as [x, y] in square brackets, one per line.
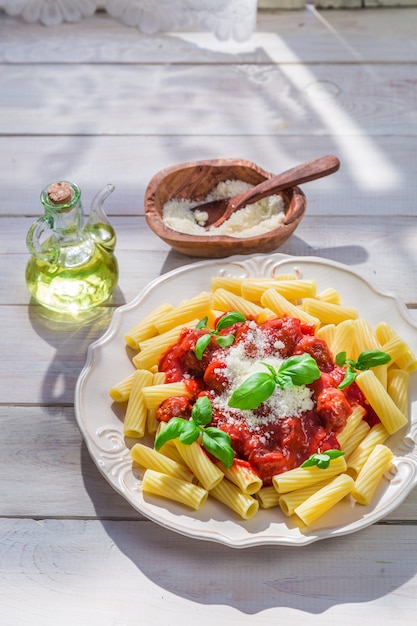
[96, 102]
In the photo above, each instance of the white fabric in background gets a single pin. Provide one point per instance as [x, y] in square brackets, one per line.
[227, 19]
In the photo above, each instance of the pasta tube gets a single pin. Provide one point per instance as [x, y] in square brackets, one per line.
[319, 503]
[146, 328]
[397, 387]
[300, 477]
[241, 503]
[243, 476]
[407, 361]
[267, 497]
[252, 289]
[377, 434]
[273, 300]
[150, 458]
[186, 311]
[383, 405]
[136, 412]
[288, 502]
[121, 391]
[174, 488]
[226, 301]
[327, 312]
[155, 394]
[206, 472]
[378, 462]
[152, 349]
[352, 423]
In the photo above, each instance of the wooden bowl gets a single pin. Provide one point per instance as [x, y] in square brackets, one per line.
[193, 181]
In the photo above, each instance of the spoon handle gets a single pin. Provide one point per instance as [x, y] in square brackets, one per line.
[311, 170]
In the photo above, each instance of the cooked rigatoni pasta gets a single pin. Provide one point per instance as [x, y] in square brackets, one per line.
[146, 328]
[241, 503]
[268, 497]
[149, 458]
[352, 423]
[166, 486]
[273, 300]
[377, 434]
[385, 333]
[327, 333]
[329, 295]
[327, 312]
[154, 395]
[152, 349]
[232, 284]
[243, 476]
[186, 311]
[120, 392]
[136, 412]
[323, 500]
[301, 477]
[397, 387]
[367, 340]
[152, 423]
[288, 502]
[356, 437]
[377, 463]
[207, 473]
[252, 289]
[344, 339]
[381, 402]
[226, 301]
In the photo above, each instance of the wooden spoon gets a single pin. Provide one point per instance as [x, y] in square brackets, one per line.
[220, 210]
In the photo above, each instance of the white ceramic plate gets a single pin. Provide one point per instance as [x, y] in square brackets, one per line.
[108, 362]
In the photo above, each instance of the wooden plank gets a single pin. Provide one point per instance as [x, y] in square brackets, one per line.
[375, 170]
[209, 100]
[380, 249]
[43, 453]
[112, 572]
[281, 36]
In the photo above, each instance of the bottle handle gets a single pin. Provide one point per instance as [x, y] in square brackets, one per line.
[39, 229]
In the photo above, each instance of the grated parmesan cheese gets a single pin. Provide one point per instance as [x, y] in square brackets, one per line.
[253, 219]
[239, 366]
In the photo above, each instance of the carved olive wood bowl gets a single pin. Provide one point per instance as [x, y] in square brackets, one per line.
[193, 181]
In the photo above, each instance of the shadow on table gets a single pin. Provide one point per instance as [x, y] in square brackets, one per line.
[352, 569]
[349, 255]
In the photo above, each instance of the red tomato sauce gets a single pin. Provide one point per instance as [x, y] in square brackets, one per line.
[271, 443]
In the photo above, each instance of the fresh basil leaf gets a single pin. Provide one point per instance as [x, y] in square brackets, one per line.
[253, 391]
[190, 432]
[202, 323]
[171, 431]
[322, 459]
[372, 358]
[202, 412]
[334, 454]
[229, 319]
[225, 340]
[298, 370]
[350, 377]
[340, 359]
[201, 344]
[271, 369]
[218, 443]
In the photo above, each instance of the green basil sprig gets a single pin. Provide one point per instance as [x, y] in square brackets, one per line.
[295, 371]
[222, 340]
[322, 459]
[366, 360]
[214, 440]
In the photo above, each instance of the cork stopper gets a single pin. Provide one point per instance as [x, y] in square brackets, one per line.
[60, 193]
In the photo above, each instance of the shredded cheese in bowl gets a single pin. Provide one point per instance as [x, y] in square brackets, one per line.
[253, 219]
